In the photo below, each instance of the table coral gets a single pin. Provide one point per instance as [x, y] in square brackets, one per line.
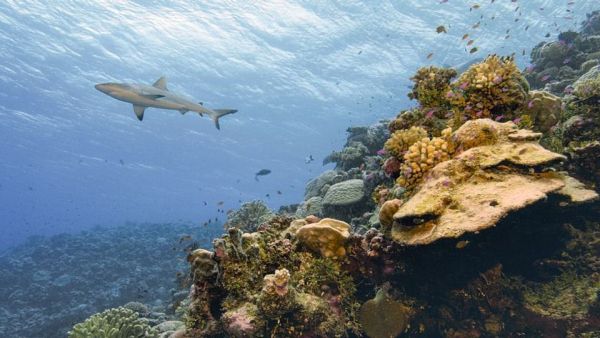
[481, 185]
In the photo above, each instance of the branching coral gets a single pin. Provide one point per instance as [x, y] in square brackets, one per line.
[424, 155]
[113, 323]
[431, 86]
[402, 139]
[492, 88]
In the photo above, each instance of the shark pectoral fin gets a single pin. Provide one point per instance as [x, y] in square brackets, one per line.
[161, 83]
[183, 111]
[139, 111]
[201, 103]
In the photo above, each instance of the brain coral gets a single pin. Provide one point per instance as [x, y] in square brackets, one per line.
[113, 323]
[400, 140]
[490, 88]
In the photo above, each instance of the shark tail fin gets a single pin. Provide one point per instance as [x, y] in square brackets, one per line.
[221, 112]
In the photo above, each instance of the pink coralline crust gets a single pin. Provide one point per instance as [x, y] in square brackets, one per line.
[239, 323]
[391, 167]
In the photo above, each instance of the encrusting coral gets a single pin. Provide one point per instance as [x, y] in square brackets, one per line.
[493, 88]
[383, 317]
[482, 184]
[113, 323]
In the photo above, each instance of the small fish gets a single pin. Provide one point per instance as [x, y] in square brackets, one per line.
[185, 238]
[470, 42]
[545, 78]
[261, 172]
[462, 244]
[220, 203]
[204, 202]
[477, 25]
[121, 161]
[465, 36]
[359, 52]
[268, 195]
[547, 35]
[441, 29]
[473, 50]
[530, 104]
[430, 113]
[308, 159]
[429, 56]
[475, 6]
[464, 85]
[381, 152]
[278, 192]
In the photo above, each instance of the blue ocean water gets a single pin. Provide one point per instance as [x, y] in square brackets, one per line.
[299, 72]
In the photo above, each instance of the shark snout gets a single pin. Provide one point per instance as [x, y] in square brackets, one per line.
[103, 87]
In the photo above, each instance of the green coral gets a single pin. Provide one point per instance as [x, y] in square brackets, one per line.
[567, 296]
[113, 323]
[431, 86]
[588, 88]
[249, 216]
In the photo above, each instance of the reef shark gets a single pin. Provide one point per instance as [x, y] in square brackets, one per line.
[157, 96]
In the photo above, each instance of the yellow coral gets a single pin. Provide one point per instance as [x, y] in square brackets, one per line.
[328, 237]
[424, 155]
[401, 140]
[490, 88]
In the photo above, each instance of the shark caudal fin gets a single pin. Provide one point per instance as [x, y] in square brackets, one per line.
[220, 112]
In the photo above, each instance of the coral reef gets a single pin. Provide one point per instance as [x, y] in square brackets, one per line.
[493, 88]
[113, 323]
[58, 281]
[249, 216]
[267, 284]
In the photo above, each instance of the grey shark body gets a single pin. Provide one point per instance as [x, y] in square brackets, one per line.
[157, 96]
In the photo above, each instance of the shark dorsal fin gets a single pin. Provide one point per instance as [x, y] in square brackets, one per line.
[161, 83]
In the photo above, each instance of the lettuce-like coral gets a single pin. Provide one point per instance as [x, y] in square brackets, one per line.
[113, 323]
